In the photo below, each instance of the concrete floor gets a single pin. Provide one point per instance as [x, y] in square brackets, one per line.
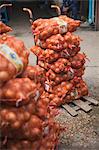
[83, 130]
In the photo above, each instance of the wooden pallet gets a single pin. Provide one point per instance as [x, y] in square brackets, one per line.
[80, 104]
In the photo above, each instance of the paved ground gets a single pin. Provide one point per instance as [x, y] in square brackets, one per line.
[83, 130]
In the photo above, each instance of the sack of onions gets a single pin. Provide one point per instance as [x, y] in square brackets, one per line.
[44, 28]
[24, 125]
[78, 91]
[21, 144]
[58, 42]
[4, 28]
[19, 124]
[58, 78]
[79, 72]
[26, 122]
[71, 40]
[60, 90]
[55, 42]
[35, 73]
[48, 141]
[69, 52]
[18, 91]
[47, 55]
[77, 61]
[61, 65]
[13, 57]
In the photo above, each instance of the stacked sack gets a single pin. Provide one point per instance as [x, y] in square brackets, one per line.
[25, 120]
[57, 50]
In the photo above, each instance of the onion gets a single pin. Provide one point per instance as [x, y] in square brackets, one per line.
[69, 86]
[42, 113]
[16, 125]
[51, 96]
[14, 147]
[45, 101]
[11, 117]
[36, 132]
[31, 108]
[3, 112]
[26, 144]
[4, 75]
[21, 117]
[9, 93]
[26, 116]
[35, 121]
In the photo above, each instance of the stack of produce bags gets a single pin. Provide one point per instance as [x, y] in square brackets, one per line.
[57, 49]
[25, 119]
